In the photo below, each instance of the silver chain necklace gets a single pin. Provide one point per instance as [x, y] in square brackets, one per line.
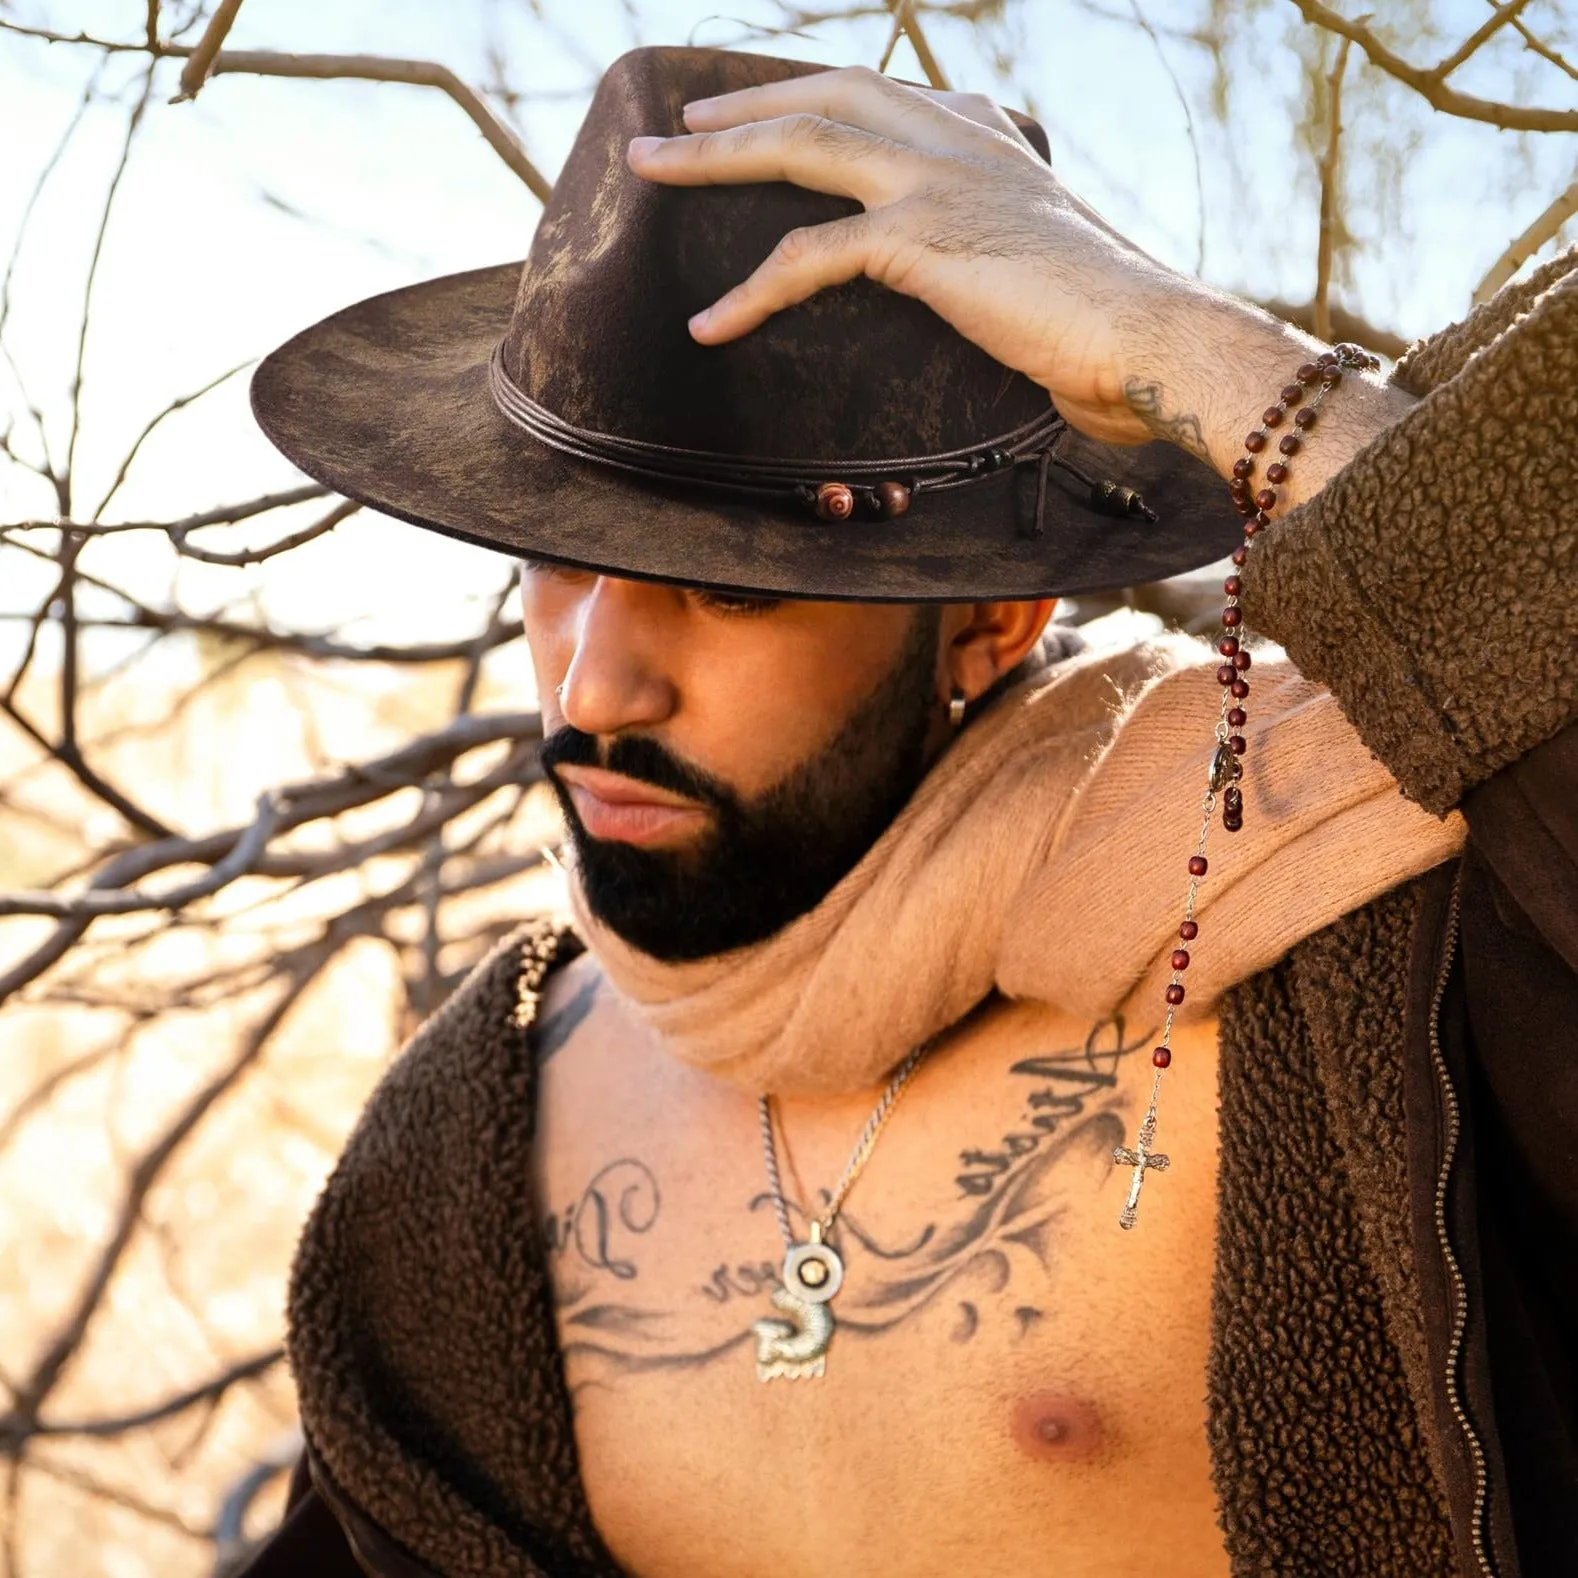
[812, 1271]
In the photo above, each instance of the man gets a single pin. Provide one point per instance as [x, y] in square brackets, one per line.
[786, 1239]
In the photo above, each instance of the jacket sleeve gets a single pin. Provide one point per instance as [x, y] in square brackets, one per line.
[309, 1542]
[1432, 584]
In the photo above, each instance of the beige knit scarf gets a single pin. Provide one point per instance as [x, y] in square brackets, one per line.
[1044, 856]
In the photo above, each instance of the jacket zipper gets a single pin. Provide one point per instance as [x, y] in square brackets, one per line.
[1454, 1271]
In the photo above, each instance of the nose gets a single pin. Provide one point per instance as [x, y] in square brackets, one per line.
[617, 678]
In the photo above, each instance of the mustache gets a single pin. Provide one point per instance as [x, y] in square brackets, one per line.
[637, 756]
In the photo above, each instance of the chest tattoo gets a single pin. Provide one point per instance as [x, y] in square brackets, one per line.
[1006, 1201]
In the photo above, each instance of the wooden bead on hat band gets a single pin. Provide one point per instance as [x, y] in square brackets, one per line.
[832, 490]
[1226, 769]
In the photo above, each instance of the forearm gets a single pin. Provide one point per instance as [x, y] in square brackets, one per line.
[1204, 366]
[1432, 584]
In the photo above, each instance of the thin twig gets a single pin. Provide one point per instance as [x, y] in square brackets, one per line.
[195, 72]
[904, 15]
[73, 760]
[147, 1171]
[1440, 96]
[222, 515]
[1194, 141]
[1477, 39]
[243, 556]
[100, 1490]
[133, 123]
[1539, 47]
[362, 68]
[895, 33]
[1527, 244]
[39, 1095]
[178, 404]
[288, 808]
[1328, 193]
[120, 1424]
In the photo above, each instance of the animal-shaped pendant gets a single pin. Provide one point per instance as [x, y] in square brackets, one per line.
[796, 1348]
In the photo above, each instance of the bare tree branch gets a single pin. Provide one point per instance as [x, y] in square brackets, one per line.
[195, 72]
[48, 1370]
[1424, 81]
[1328, 193]
[239, 556]
[1542, 49]
[323, 68]
[178, 404]
[904, 15]
[205, 1391]
[1475, 40]
[1526, 245]
[223, 515]
[100, 1490]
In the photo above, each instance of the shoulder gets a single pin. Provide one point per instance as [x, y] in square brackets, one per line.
[568, 997]
[465, 1065]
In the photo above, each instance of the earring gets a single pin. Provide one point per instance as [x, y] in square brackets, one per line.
[956, 705]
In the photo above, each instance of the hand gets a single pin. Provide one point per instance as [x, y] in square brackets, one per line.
[960, 212]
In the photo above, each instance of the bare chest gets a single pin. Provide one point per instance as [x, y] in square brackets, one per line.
[1007, 1373]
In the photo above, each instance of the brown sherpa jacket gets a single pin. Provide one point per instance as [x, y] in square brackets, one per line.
[1392, 1386]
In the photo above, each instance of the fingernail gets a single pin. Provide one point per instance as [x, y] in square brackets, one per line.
[701, 319]
[640, 147]
[696, 104]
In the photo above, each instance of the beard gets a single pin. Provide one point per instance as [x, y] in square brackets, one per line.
[765, 861]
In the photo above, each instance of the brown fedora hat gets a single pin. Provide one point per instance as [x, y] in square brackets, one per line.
[854, 446]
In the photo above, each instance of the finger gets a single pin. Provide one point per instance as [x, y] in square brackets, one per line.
[856, 96]
[804, 262]
[983, 111]
[808, 150]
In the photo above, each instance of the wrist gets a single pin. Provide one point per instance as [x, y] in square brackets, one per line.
[1202, 366]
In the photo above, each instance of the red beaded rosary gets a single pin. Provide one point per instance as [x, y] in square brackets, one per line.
[1323, 375]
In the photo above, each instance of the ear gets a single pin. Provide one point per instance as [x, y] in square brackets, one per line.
[982, 641]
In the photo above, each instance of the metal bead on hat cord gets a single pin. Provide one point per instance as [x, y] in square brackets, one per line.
[1226, 768]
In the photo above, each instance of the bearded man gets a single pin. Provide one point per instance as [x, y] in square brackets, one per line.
[768, 1220]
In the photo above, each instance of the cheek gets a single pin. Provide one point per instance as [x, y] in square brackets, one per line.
[762, 702]
[548, 623]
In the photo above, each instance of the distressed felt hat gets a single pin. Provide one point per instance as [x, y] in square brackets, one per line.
[853, 446]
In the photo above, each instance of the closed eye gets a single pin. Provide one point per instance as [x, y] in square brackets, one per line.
[736, 603]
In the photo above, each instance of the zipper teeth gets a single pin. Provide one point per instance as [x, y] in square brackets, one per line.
[1454, 1271]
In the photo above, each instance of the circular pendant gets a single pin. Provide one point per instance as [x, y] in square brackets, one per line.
[813, 1272]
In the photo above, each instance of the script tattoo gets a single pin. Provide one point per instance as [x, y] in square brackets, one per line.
[1182, 427]
[1065, 1082]
[1009, 1198]
[622, 1200]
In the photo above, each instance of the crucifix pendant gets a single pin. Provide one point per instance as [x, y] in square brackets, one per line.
[1142, 1159]
[796, 1348]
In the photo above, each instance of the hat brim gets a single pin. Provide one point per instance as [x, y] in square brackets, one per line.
[387, 402]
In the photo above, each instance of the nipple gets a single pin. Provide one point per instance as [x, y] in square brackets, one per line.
[1056, 1427]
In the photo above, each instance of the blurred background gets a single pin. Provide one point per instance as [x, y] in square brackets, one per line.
[267, 762]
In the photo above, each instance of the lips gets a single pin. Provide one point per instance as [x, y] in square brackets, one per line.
[625, 811]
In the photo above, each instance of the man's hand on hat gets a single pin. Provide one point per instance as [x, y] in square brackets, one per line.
[962, 213]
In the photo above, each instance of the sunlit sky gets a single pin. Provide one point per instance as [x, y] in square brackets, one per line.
[267, 204]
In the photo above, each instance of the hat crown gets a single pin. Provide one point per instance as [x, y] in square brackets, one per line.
[619, 264]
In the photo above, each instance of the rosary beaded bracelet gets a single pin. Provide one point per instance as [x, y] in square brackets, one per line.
[1223, 779]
